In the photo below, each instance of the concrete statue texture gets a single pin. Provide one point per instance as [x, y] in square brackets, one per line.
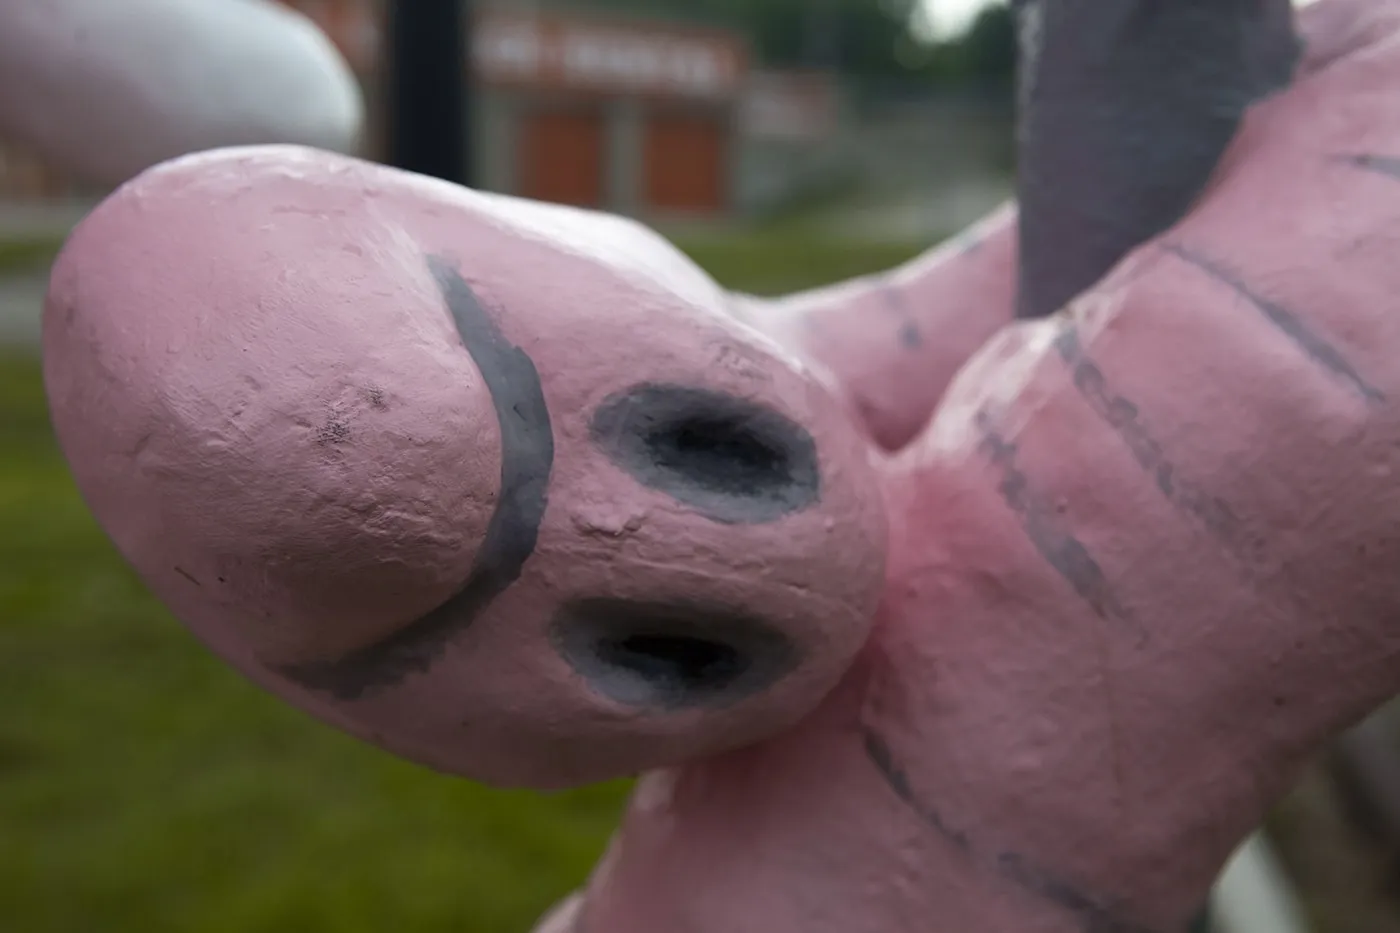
[915, 607]
[107, 88]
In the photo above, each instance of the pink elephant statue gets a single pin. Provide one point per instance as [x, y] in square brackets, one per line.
[108, 88]
[929, 602]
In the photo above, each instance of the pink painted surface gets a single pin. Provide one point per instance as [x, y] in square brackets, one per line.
[1049, 663]
[894, 341]
[279, 426]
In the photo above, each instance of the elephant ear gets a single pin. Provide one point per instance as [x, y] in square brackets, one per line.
[1126, 107]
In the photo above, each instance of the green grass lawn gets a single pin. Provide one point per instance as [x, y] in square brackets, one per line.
[144, 787]
[26, 255]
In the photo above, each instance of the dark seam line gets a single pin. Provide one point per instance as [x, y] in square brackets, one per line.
[1377, 164]
[1069, 557]
[1313, 346]
[1094, 916]
[1125, 419]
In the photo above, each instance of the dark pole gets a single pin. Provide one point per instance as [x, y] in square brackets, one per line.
[822, 38]
[427, 92]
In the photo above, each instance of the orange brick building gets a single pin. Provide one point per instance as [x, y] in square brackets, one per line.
[627, 115]
[611, 113]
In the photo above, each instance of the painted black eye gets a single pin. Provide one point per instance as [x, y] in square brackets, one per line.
[728, 458]
[670, 655]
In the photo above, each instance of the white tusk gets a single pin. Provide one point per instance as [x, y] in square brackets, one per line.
[1254, 894]
[107, 88]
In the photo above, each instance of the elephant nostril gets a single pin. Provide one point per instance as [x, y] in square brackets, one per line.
[724, 456]
[684, 664]
[670, 655]
[732, 459]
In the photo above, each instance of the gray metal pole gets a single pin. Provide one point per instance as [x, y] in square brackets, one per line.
[1125, 109]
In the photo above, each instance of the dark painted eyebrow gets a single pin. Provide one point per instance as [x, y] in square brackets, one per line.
[527, 461]
[1126, 109]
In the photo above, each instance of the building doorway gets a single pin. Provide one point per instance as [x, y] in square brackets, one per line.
[563, 155]
[686, 162]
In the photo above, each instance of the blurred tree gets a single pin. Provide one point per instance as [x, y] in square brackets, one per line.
[985, 54]
[989, 48]
[862, 38]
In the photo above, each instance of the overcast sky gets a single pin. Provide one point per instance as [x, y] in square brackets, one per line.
[949, 17]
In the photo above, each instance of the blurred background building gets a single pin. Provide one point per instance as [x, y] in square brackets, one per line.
[700, 110]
